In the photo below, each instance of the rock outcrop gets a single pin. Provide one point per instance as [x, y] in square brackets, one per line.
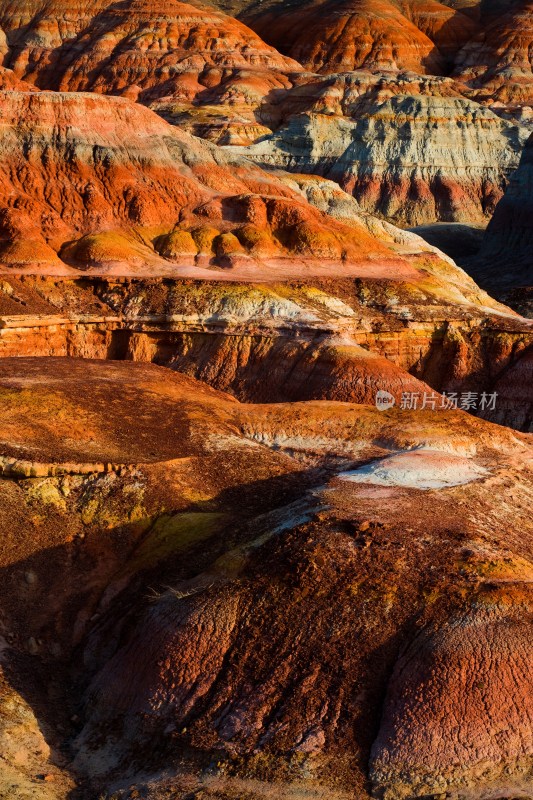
[496, 63]
[235, 591]
[334, 36]
[505, 259]
[192, 64]
[408, 148]
[103, 183]
[279, 342]
[445, 693]
[260, 536]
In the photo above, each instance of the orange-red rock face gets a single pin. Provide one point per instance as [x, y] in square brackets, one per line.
[102, 182]
[248, 579]
[175, 55]
[496, 63]
[70, 45]
[335, 36]
[232, 575]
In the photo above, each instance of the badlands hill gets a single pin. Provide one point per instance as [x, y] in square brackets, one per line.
[226, 573]
[504, 261]
[227, 599]
[331, 36]
[414, 150]
[409, 148]
[104, 184]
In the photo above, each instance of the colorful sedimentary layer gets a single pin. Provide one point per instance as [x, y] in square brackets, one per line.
[249, 548]
[103, 183]
[410, 149]
[176, 57]
[334, 36]
[247, 580]
[496, 62]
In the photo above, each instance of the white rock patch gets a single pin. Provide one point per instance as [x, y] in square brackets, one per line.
[418, 469]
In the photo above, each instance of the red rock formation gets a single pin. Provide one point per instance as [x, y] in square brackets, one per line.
[442, 723]
[288, 608]
[335, 36]
[102, 182]
[213, 664]
[10, 82]
[496, 63]
[409, 148]
[177, 57]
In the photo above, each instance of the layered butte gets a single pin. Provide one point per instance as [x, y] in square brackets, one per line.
[411, 149]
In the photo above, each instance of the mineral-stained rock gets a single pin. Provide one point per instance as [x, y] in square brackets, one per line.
[334, 36]
[174, 55]
[242, 603]
[496, 63]
[322, 339]
[407, 148]
[63, 44]
[98, 182]
[456, 721]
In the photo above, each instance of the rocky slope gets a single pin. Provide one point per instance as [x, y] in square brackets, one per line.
[103, 183]
[496, 63]
[408, 148]
[176, 57]
[504, 261]
[248, 549]
[319, 339]
[411, 149]
[162, 540]
[101, 186]
[333, 36]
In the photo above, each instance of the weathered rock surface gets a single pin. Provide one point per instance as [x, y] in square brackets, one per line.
[28, 765]
[335, 340]
[442, 728]
[505, 259]
[496, 63]
[335, 36]
[245, 510]
[103, 183]
[175, 56]
[408, 148]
